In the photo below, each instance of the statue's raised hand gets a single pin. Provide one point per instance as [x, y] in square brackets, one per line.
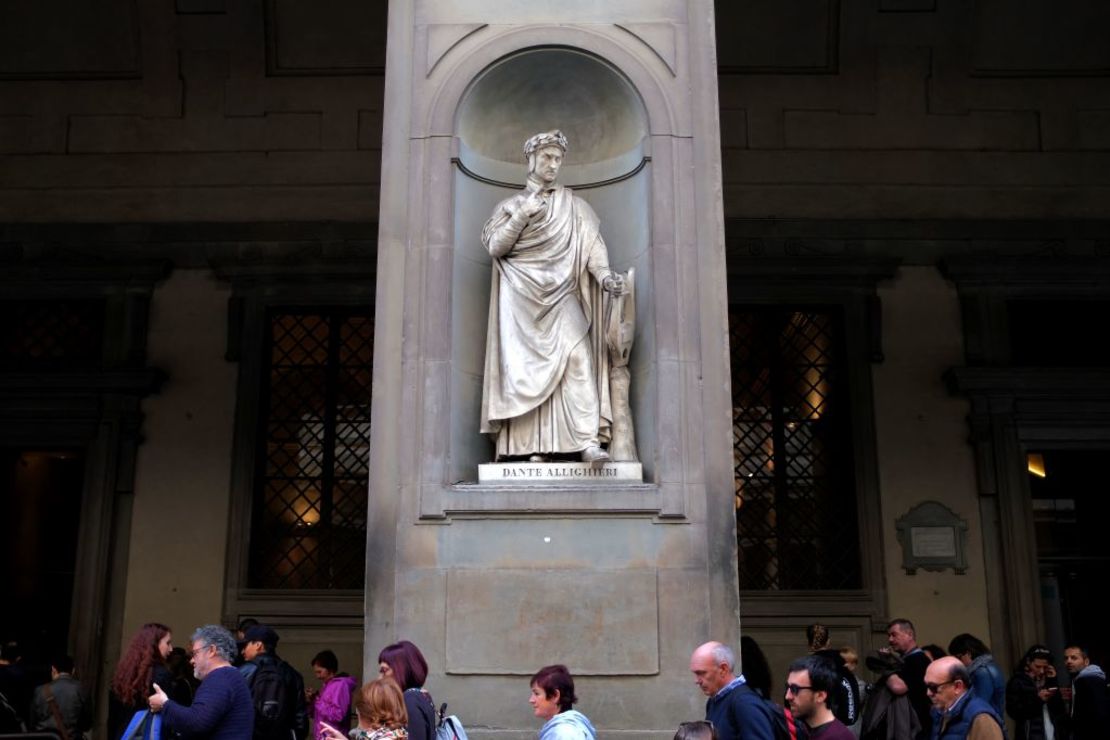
[531, 205]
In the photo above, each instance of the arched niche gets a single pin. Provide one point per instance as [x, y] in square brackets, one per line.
[607, 164]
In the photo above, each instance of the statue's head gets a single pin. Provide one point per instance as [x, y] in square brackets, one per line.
[545, 153]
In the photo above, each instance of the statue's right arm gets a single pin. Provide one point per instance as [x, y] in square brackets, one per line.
[503, 228]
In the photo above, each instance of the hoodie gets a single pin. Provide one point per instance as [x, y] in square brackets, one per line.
[568, 725]
[333, 705]
[1090, 713]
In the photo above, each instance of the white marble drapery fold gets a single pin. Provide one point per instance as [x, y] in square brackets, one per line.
[546, 383]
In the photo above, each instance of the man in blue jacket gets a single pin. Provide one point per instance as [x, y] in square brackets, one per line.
[737, 712]
[958, 714]
[222, 708]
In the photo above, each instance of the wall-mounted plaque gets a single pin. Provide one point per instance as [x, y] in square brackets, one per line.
[933, 537]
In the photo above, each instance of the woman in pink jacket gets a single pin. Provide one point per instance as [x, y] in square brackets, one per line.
[332, 703]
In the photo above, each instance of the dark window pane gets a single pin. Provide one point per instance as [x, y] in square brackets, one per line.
[309, 519]
[1058, 333]
[795, 495]
[46, 335]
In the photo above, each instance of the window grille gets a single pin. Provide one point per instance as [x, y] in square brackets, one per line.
[47, 335]
[795, 499]
[309, 518]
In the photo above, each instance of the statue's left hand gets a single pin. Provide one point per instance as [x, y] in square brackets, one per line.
[613, 283]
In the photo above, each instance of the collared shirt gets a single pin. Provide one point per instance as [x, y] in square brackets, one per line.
[738, 681]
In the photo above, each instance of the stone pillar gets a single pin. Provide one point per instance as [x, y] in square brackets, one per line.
[620, 581]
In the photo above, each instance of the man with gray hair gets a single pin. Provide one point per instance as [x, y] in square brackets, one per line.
[222, 709]
[545, 388]
[737, 712]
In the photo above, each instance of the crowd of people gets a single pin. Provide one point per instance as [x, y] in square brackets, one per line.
[920, 693]
[239, 688]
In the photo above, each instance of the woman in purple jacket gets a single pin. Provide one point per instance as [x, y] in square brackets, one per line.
[332, 703]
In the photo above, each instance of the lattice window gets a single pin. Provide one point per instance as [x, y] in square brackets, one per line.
[309, 522]
[37, 335]
[795, 499]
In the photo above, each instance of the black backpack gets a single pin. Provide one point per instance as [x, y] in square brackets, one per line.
[272, 703]
[847, 697]
[846, 701]
[783, 723]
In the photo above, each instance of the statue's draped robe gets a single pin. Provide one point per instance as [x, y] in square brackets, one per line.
[546, 384]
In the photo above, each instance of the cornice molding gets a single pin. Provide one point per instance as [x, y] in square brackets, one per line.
[192, 245]
[916, 241]
[1042, 273]
[824, 271]
[1030, 383]
[138, 382]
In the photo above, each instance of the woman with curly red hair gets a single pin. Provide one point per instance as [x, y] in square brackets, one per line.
[142, 665]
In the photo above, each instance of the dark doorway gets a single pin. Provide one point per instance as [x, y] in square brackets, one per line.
[1071, 501]
[40, 497]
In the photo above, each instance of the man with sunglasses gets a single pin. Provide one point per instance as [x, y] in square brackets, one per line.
[957, 713]
[811, 685]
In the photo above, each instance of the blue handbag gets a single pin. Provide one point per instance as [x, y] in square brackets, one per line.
[145, 725]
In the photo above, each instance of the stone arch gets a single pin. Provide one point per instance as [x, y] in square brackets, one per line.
[642, 73]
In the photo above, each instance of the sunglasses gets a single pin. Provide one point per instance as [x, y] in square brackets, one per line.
[933, 688]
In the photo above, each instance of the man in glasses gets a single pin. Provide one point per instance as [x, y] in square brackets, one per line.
[811, 685]
[222, 709]
[957, 713]
[737, 712]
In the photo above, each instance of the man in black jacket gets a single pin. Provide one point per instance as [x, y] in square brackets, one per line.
[276, 687]
[1089, 710]
[910, 679]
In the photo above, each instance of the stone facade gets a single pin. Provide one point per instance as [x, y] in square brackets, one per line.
[916, 163]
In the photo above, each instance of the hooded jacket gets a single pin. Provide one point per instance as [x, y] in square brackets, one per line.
[568, 725]
[1090, 713]
[333, 705]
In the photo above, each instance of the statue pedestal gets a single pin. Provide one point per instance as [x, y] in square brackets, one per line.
[560, 473]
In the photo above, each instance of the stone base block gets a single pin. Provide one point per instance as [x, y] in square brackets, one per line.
[560, 473]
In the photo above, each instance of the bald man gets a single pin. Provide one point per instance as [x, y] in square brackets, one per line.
[957, 713]
[737, 712]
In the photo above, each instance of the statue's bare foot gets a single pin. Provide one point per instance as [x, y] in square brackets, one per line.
[537, 458]
[594, 455]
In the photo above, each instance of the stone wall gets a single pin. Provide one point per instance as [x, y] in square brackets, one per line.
[914, 109]
[190, 110]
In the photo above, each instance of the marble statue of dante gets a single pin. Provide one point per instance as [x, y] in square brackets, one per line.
[546, 384]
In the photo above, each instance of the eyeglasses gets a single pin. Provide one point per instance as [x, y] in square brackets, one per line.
[933, 688]
[795, 689]
[199, 650]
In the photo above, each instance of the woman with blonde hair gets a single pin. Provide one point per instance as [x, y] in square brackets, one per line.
[380, 707]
